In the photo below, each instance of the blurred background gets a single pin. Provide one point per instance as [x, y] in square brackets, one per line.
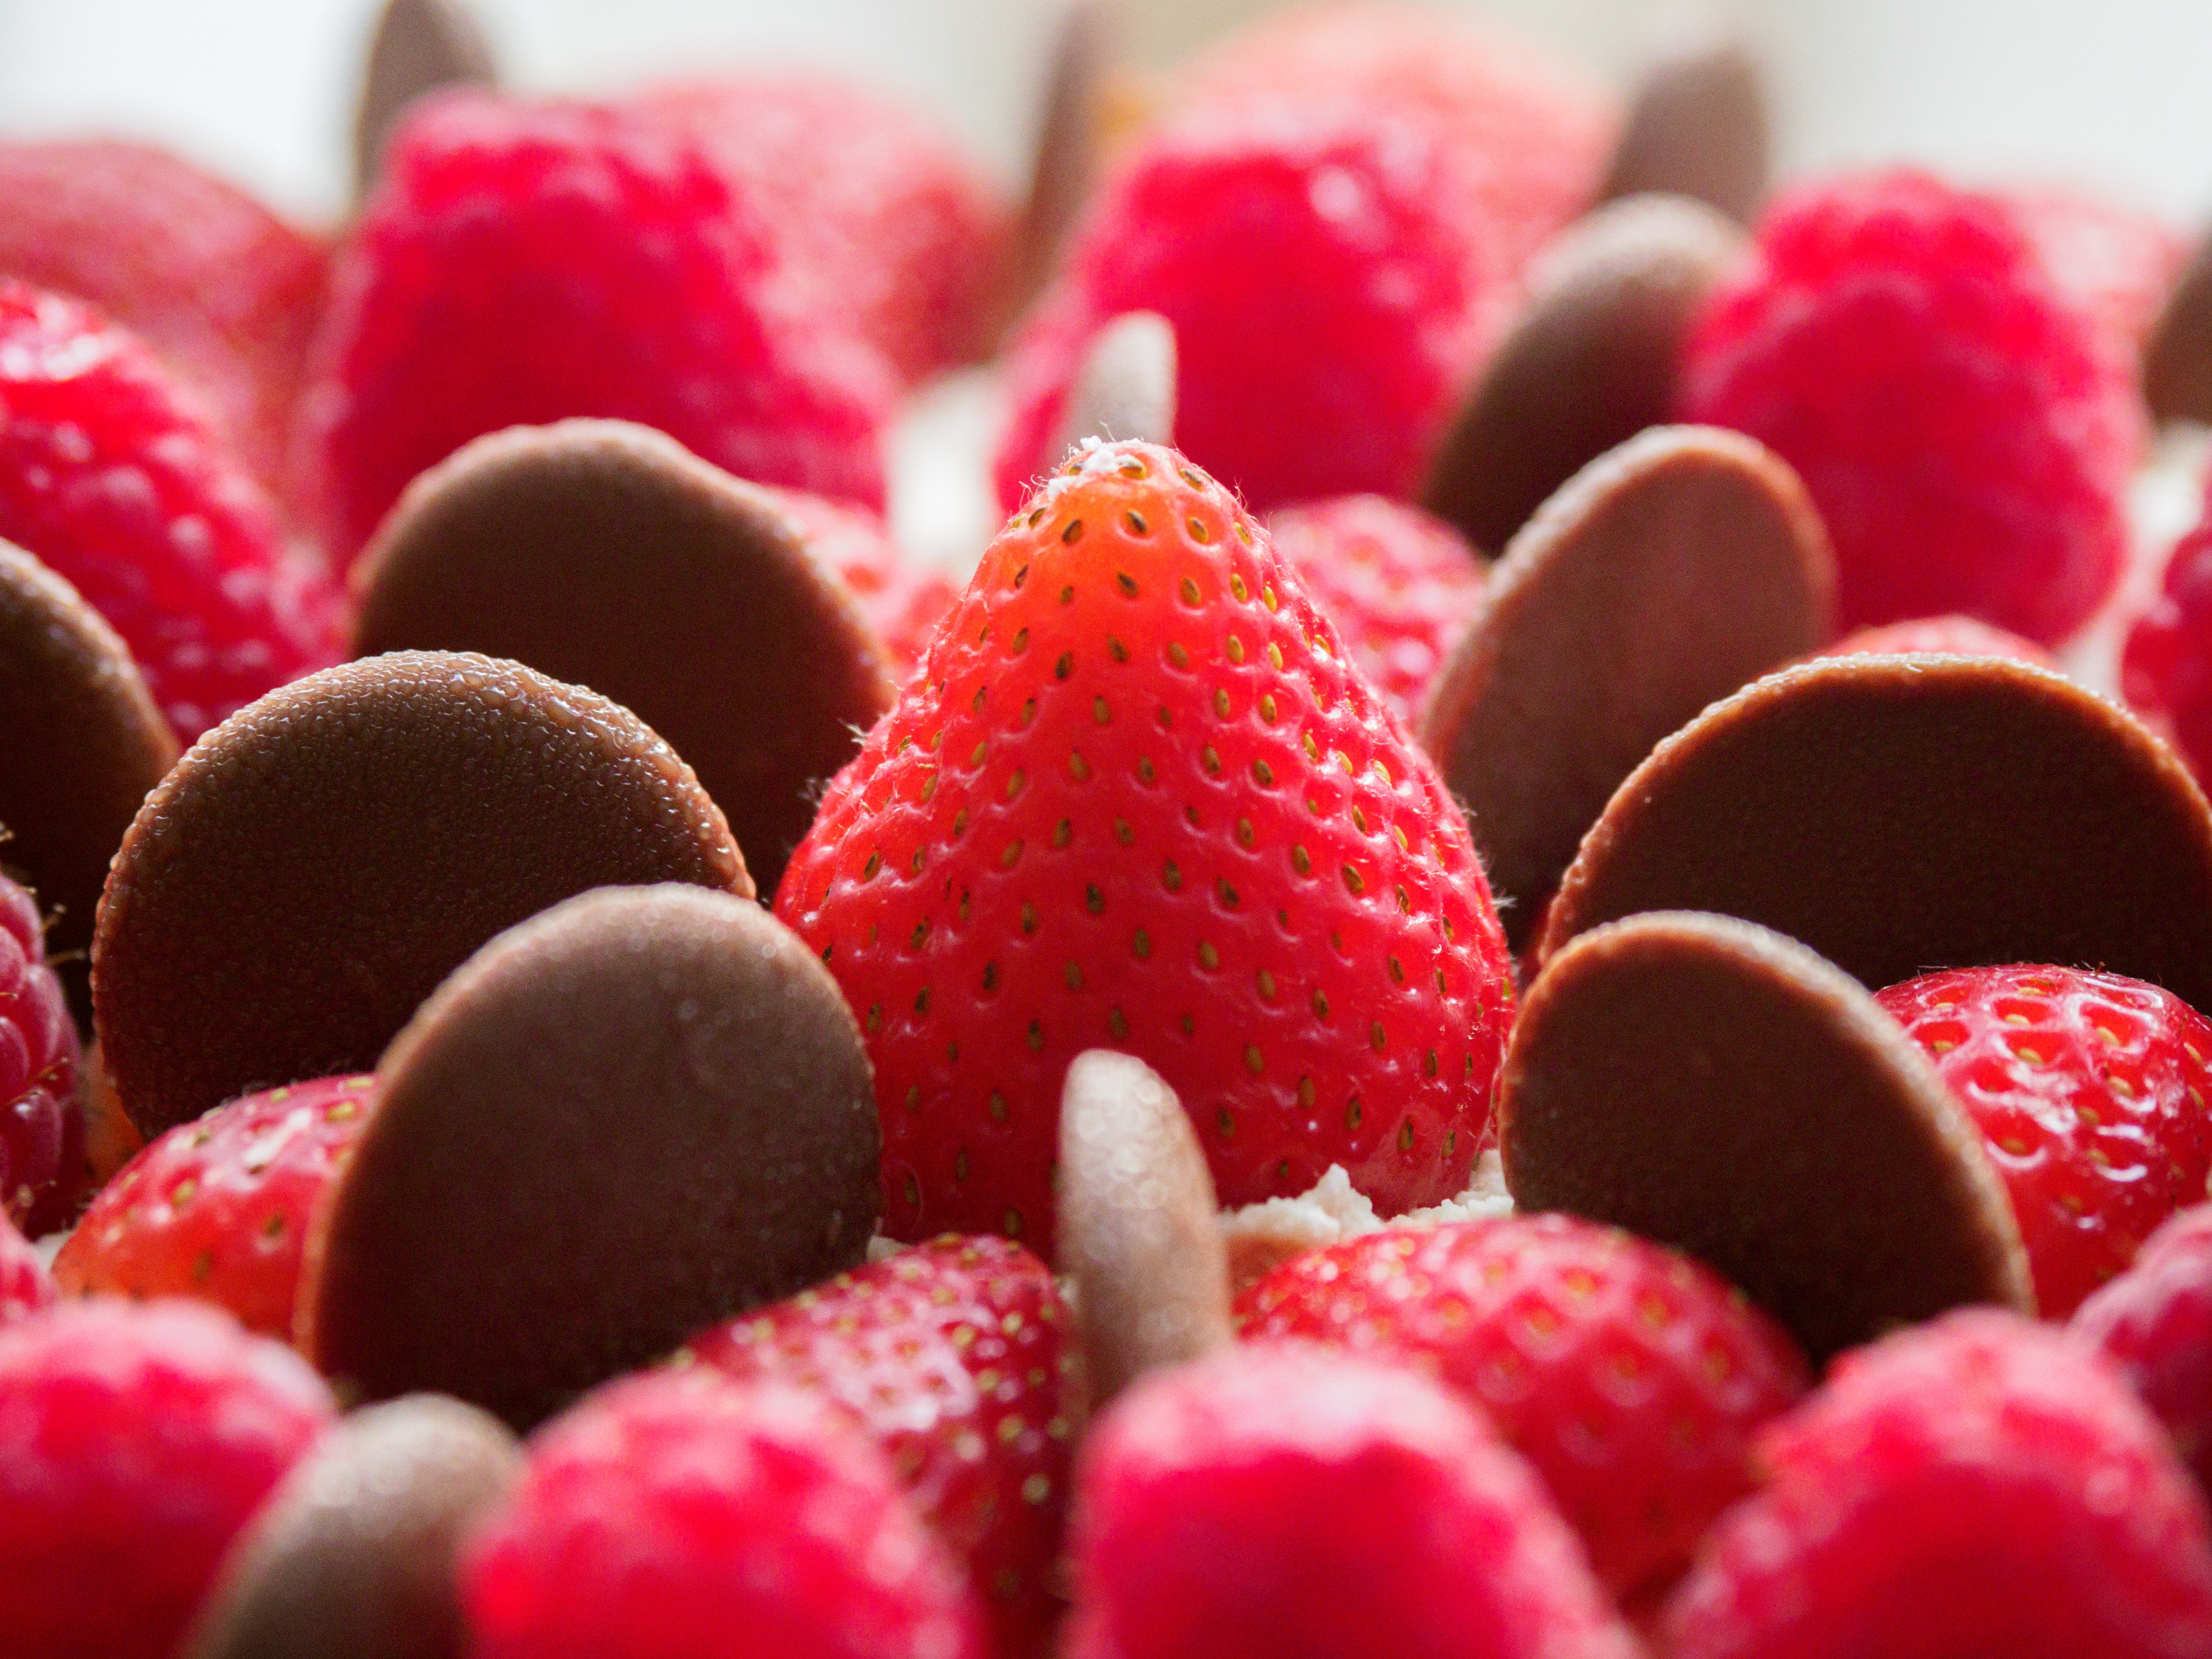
[2106, 92]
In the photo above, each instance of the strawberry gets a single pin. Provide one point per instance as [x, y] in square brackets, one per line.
[42, 1131]
[1277, 1500]
[1399, 583]
[2089, 1090]
[1630, 1377]
[1945, 637]
[2154, 1322]
[218, 1208]
[1139, 797]
[954, 1358]
[1967, 1488]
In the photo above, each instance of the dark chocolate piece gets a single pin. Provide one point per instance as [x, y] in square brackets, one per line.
[1137, 1224]
[419, 46]
[1593, 359]
[318, 862]
[637, 1114]
[2178, 360]
[607, 555]
[353, 1556]
[1665, 575]
[1717, 1087]
[81, 743]
[1066, 167]
[1127, 385]
[1697, 126]
[1900, 814]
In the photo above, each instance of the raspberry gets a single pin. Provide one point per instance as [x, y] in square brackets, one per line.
[26, 1286]
[2166, 668]
[109, 475]
[1965, 428]
[218, 1208]
[42, 1156]
[2118, 263]
[140, 1439]
[2154, 1322]
[523, 262]
[1399, 583]
[1970, 1487]
[901, 598]
[674, 1516]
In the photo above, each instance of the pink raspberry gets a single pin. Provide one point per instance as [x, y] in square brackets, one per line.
[1965, 426]
[1974, 1487]
[2154, 1322]
[111, 475]
[139, 1438]
[26, 1286]
[900, 597]
[2166, 670]
[42, 1156]
[522, 263]
[680, 1516]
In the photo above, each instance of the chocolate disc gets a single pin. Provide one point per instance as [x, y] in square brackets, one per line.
[81, 743]
[419, 46]
[1719, 1088]
[2178, 361]
[1127, 385]
[1697, 126]
[1593, 359]
[1137, 1224]
[1067, 165]
[643, 1112]
[1899, 814]
[1665, 575]
[353, 1556]
[318, 862]
[606, 555]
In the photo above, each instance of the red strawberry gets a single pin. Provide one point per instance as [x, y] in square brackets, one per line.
[2089, 1090]
[1942, 636]
[218, 1208]
[1966, 427]
[139, 1440]
[1274, 1500]
[522, 263]
[1629, 1377]
[2166, 668]
[1972, 1487]
[887, 218]
[26, 1286]
[1399, 583]
[675, 1517]
[2154, 1322]
[901, 598]
[42, 1153]
[1139, 798]
[954, 1357]
[109, 474]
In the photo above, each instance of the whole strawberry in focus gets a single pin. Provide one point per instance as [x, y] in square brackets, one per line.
[521, 262]
[1965, 425]
[138, 1441]
[1968, 1488]
[1630, 1378]
[225, 293]
[901, 598]
[2154, 1324]
[218, 1208]
[42, 1151]
[1399, 583]
[111, 475]
[680, 1517]
[1139, 798]
[1278, 1499]
[2166, 668]
[26, 1286]
[954, 1357]
[2090, 1090]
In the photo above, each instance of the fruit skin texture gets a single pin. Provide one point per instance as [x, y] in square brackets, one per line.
[42, 1157]
[901, 598]
[2154, 1324]
[218, 1208]
[1972, 1486]
[2090, 1091]
[2166, 668]
[680, 1517]
[1631, 1378]
[26, 1286]
[2118, 262]
[1965, 426]
[1942, 636]
[1278, 1499]
[225, 293]
[522, 263]
[954, 1357]
[1399, 583]
[140, 1439]
[1137, 798]
[113, 477]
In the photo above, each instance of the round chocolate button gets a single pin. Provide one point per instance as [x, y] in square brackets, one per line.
[419, 46]
[1697, 126]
